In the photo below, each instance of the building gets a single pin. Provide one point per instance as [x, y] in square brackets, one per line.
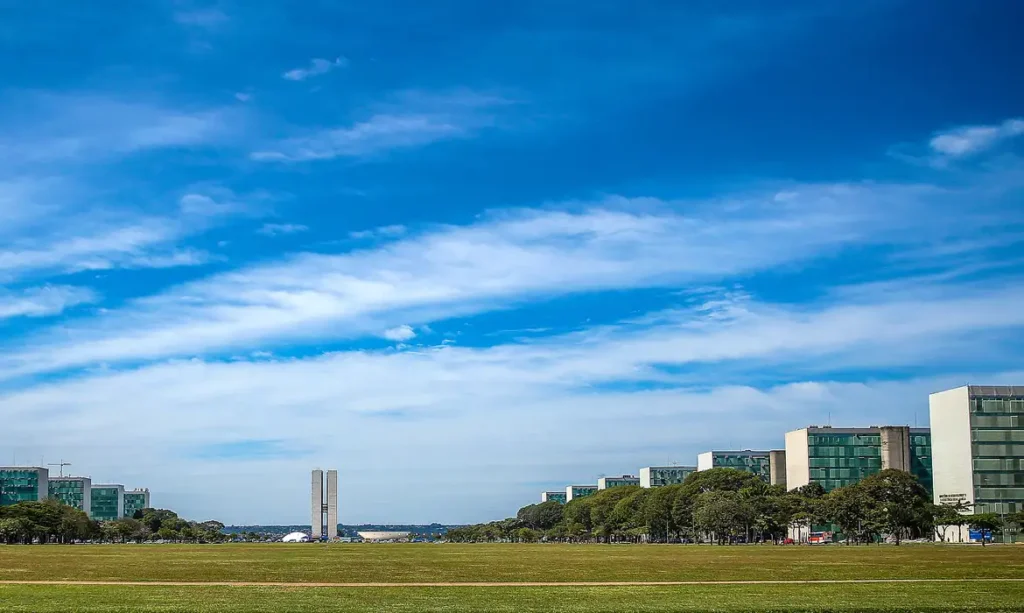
[23, 483]
[837, 457]
[579, 491]
[324, 512]
[607, 482]
[135, 500]
[658, 476]
[777, 467]
[978, 437]
[757, 462]
[553, 496]
[73, 491]
[107, 502]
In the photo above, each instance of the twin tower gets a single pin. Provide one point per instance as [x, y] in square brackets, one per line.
[325, 508]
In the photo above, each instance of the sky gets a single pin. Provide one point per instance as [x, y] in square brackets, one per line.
[465, 252]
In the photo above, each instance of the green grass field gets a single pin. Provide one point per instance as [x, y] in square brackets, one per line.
[422, 563]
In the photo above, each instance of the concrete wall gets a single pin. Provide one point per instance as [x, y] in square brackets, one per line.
[332, 504]
[316, 503]
[895, 447]
[798, 468]
[952, 460]
[777, 467]
[705, 461]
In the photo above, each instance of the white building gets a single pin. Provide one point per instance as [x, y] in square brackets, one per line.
[658, 476]
[606, 482]
[579, 491]
[324, 512]
[978, 448]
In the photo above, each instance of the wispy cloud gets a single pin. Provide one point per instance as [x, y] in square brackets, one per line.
[391, 231]
[969, 140]
[205, 18]
[413, 121]
[43, 301]
[317, 66]
[399, 333]
[274, 229]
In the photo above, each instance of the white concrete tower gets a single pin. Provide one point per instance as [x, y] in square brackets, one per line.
[332, 504]
[317, 504]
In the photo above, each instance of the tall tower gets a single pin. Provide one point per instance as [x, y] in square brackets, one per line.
[324, 511]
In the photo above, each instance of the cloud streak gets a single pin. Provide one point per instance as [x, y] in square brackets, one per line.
[317, 66]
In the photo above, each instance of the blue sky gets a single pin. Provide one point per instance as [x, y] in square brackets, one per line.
[466, 252]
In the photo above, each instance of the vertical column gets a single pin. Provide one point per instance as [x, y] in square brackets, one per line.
[895, 447]
[317, 504]
[777, 466]
[332, 504]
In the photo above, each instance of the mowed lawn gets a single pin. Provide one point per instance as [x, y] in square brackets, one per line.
[421, 563]
[502, 562]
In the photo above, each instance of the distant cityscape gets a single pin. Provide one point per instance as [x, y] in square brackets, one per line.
[972, 454]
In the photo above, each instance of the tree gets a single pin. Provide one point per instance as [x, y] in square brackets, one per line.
[899, 502]
[985, 522]
[723, 514]
[950, 514]
[851, 510]
[527, 535]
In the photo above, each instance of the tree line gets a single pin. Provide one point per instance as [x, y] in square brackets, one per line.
[52, 521]
[725, 505]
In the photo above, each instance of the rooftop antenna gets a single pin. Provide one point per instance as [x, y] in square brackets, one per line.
[830, 419]
[62, 464]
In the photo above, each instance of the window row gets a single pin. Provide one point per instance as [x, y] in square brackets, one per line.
[998, 405]
[999, 493]
[844, 451]
[998, 436]
[845, 462]
[997, 450]
[1003, 464]
[1016, 478]
[996, 421]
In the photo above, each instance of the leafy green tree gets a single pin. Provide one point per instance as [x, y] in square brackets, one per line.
[851, 510]
[527, 535]
[900, 503]
[723, 514]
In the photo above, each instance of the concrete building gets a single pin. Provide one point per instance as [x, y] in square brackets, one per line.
[73, 491]
[658, 476]
[23, 483]
[837, 457]
[107, 502]
[978, 439]
[135, 500]
[579, 491]
[553, 496]
[324, 512]
[777, 467]
[606, 482]
[757, 462]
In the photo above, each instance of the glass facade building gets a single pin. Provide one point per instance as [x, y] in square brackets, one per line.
[73, 491]
[552, 496]
[579, 491]
[607, 482]
[660, 476]
[107, 502]
[838, 457]
[978, 435]
[135, 500]
[757, 462]
[23, 483]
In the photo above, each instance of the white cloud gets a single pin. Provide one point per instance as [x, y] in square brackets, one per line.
[501, 261]
[43, 301]
[243, 96]
[317, 66]
[414, 121]
[391, 231]
[969, 140]
[399, 333]
[207, 18]
[274, 229]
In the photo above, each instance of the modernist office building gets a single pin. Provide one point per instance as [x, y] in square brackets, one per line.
[23, 483]
[658, 476]
[837, 457]
[324, 508]
[606, 482]
[107, 502]
[979, 439]
[73, 491]
[552, 497]
[757, 462]
[579, 491]
[135, 500]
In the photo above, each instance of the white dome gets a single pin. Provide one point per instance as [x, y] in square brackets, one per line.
[296, 537]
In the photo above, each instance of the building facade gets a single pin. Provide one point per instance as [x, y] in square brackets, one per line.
[23, 484]
[979, 441]
[777, 467]
[660, 476]
[838, 457]
[135, 500]
[73, 491]
[552, 497]
[579, 491]
[756, 462]
[107, 502]
[324, 512]
[607, 482]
